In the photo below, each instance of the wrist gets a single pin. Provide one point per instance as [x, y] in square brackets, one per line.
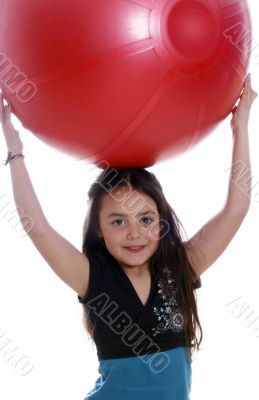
[240, 130]
[12, 156]
[15, 150]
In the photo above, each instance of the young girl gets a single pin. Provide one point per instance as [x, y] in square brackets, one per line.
[136, 277]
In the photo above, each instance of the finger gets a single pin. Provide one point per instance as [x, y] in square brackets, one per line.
[2, 100]
[7, 113]
[2, 109]
[9, 108]
[6, 107]
[234, 109]
[246, 86]
[246, 83]
[2, 97]
[243, 90]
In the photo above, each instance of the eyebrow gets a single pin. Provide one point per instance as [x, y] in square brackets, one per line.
[124, 215]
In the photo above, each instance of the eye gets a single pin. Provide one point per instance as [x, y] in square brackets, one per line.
[148, 218]
[116, 220]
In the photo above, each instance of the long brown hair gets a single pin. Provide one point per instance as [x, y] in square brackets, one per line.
[171, 253]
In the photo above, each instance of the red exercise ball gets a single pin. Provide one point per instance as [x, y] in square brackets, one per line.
[123, 83]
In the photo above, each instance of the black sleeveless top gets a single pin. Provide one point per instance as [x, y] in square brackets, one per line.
[122, 325]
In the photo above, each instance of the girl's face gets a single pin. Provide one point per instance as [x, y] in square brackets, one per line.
[129, 218]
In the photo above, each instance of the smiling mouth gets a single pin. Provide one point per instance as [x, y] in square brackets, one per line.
[134, 249]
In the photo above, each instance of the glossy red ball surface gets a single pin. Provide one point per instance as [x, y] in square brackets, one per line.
[125, 82]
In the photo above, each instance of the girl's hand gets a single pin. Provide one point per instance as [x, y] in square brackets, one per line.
[241, 112]
[12, 136]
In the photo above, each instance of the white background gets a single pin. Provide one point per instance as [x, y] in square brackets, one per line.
[40, 315]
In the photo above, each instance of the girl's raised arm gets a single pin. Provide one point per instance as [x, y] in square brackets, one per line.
[205, 247]
[66, 261]
[23, 191]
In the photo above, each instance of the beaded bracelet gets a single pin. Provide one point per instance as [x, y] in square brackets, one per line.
[10, 157]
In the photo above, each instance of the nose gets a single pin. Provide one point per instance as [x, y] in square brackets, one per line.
[134, 229]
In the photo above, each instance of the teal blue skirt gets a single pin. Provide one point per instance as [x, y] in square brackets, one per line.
[164, 375]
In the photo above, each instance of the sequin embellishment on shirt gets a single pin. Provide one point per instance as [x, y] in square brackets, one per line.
[169, 314]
